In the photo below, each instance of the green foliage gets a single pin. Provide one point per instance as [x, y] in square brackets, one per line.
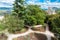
[58, 11]
[2, 27]
[12, 23]
[31, 14]
[18, 8]
[34, 15]
[30, 20]
[54, 23]
[23, 15]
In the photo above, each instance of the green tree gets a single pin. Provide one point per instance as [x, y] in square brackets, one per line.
[34, 15]
[31, 14]
[18, 8]
[54, 23]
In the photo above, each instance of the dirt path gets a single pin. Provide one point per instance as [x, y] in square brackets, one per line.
[47, 33]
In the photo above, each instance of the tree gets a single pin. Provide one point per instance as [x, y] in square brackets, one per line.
[34, 15]
[54, 23]
[31, 14]
[18, 8]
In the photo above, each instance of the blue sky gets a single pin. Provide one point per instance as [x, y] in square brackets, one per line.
[50, 0]
[43, 3]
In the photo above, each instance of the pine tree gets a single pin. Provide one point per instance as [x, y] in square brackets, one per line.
[19, 8]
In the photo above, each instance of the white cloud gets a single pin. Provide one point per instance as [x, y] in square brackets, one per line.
[7, 1]
[5, 6]
[45, 4]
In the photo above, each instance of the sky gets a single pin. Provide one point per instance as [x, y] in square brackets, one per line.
[46, 3]
[43, 3]
[6, 3]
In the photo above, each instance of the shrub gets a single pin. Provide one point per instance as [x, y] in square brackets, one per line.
[1, 26]
[54, 22]
[13, 23]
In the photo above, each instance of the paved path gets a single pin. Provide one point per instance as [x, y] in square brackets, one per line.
[47, 33]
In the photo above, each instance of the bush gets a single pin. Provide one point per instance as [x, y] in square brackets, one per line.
[30, 20]
[1, 26]
[54, 23]
[13, 23]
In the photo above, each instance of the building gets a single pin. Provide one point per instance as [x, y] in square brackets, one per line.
[51, 10]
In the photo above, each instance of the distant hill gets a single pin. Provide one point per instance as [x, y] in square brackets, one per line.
[3, 12]
[5, 8]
